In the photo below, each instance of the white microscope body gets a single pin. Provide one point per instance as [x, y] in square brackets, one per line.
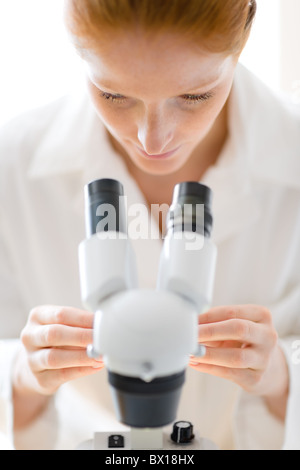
[145, 337]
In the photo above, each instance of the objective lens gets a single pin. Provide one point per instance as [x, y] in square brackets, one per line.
[146, 404]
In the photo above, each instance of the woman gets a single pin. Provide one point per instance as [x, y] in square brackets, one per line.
[169, 103]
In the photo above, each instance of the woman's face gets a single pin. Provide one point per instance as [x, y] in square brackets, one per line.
[158, 99]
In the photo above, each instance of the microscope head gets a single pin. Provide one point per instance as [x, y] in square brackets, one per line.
[145, 336]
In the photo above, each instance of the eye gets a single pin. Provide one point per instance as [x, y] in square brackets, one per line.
[192, 99]
[114, 98]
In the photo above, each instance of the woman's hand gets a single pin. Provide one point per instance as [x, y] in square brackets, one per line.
[242, 346]
[54, 343]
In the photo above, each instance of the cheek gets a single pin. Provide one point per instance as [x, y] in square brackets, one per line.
[113, 119]
[206, 117]
[201, 121]
[202, 118]
[118, 124]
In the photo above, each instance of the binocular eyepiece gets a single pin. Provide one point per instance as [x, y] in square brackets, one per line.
[104, 199]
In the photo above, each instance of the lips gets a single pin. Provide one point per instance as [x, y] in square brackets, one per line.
[160, 156]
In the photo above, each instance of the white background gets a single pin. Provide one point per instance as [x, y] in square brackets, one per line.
[38, 64]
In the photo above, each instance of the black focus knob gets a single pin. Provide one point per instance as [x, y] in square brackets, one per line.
[183, 432]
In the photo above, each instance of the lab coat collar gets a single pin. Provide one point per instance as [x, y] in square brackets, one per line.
[269, 130]
[62, 147]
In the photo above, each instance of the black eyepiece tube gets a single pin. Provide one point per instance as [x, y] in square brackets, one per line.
[104, 207]
[184, 214]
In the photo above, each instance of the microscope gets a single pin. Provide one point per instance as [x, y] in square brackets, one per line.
[146, 336]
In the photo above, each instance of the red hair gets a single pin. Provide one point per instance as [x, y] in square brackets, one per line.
[220, 25]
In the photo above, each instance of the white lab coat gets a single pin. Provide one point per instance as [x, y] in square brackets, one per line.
[46, 157]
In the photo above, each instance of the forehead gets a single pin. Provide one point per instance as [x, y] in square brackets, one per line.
[134, 63]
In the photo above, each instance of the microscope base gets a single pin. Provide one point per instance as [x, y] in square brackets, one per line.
[143, 439]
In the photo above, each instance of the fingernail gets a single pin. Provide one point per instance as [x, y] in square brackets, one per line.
[97, 365]
[193, 361]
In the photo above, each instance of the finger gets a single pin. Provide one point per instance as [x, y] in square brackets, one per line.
[223, 344]
[242, 377]
[54, 358]
[255, 313]
[218, 371]
[51, 314]
[237, 358]
[243, 331]
[46, 336]
[50, 380]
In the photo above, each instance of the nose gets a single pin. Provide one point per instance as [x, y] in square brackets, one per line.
[155, 131]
